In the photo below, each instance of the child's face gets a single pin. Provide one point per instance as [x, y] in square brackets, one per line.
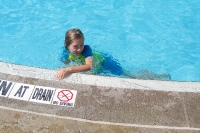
[77, 46]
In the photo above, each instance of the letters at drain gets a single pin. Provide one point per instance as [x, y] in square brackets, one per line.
[39, 94]
[42, 94]
[21, 91]
[64, 97]
[5, 87]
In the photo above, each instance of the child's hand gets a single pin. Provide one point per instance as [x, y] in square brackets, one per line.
[62, 72]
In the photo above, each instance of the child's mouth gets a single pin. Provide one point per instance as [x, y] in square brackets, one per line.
[76, 53]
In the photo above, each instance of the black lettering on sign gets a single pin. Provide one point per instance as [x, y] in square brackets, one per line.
[66, 104]
[21, 91]
[42, 94]
[4, 87]
[55, 102]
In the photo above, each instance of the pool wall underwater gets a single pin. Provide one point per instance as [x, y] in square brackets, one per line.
[102, 104]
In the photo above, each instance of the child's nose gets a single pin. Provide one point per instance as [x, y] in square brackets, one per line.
[79, 49]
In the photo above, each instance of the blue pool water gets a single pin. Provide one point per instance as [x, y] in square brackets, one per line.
[159, 36]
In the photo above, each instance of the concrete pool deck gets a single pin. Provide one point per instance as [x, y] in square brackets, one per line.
[102, 104]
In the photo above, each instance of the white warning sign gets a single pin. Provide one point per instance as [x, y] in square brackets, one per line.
[39, 94]
[21, 91]
[64, 97]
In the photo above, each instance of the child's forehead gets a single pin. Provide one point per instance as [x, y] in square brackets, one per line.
[77, 40]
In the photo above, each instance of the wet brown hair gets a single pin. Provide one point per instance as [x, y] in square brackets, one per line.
[72, 35]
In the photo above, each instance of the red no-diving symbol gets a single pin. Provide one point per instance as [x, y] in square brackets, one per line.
[65, 95]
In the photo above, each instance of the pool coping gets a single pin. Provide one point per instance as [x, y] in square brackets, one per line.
[103, 81]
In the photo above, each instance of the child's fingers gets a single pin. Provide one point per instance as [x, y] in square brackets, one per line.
[59, 75]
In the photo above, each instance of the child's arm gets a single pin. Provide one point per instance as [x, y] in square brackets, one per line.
[64, 71]
[87, 66]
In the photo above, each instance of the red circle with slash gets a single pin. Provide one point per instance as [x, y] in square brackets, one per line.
[65, 95]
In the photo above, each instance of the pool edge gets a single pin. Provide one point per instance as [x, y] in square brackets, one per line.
[103, 81]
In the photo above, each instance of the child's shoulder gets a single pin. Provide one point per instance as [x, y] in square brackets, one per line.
[87, 47]
[65, 54]
[87, 51]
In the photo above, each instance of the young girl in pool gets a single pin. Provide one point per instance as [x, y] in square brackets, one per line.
[79, 58]
[76, 52]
